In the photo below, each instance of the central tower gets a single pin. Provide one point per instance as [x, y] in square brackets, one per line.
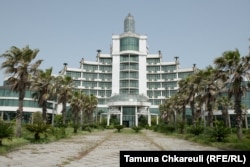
[129, 53]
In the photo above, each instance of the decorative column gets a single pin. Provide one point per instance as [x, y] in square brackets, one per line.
[149, 117]
[157, 119]
[100, 117]
[108, 118]
[121, 115]
[136, 116]
[246, 122]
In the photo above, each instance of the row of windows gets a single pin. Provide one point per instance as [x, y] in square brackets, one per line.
[101, 93]
[15, 102]
[106, 60]
[161, 68]
[166, 85]
[153, 60]
[105, 68]
[129, 66]
[129, 83]
[152, 77]
[125, 91]
[155, 101]
[73, 74]
[132, 66]
[168, 68]
[154, 85]
[184, 74]
[165, 93]
[126, 75]
[90, 75]
[9, 93]
[93, 68]
[105, 76]
[129, 58]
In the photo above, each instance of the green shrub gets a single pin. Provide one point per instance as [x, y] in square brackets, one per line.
[196, 129]
[110, 127]
[137, 128]
[58, 122]
[6, 131]
[219, 131]
[37, 129]
[37, 117]
[165, 128]
[119, 127]
[170, 128]
[155, 128]
[58, 132]
[181, 126]
[86, 127]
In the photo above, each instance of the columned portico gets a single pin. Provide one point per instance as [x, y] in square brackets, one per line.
[129, 107]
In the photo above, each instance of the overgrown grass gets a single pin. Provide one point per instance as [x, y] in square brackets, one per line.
[231, 142]
[53, 134]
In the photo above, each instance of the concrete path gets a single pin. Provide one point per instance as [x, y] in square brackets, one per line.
[95, 149]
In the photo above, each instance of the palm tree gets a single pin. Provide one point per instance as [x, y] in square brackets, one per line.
[190, 86]
[18, 64]
[224, 104]
[210, 87]
[43, 86]
[64, 92]
[237, 69]
[76, 104]
[90, 104]
[164, 109]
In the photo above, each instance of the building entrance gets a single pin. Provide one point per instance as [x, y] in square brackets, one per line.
[129, 116]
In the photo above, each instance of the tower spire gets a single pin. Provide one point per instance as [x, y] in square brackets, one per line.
[129, 24]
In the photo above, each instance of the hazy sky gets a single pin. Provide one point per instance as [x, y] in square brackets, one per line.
[66, 30]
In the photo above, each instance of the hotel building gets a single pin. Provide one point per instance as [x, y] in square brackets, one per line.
[128, 81]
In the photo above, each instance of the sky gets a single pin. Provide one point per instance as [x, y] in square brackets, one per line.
[65, 31]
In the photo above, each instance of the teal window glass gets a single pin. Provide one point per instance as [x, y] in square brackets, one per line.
[129, 43]
[153, 60]
[168, 68]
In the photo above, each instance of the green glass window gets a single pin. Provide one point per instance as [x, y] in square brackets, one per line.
[153, 60]
[129, 43]
[73, 74]
[153, 85]
[169, 76]
[168, 85]
[90, 76]
[153, 68]
[153, 77]
[104, 68]
[168, 68]
[106, 60]
[184, 74]
[104, 85]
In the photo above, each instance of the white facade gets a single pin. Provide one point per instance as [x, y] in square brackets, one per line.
[128, 71]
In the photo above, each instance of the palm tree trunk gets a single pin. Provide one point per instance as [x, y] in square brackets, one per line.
[75, 121]
[238, 116]
[210, 115]
[44, 112]
[64, 113]
[19, 114]
[184, 113]
[193, 112]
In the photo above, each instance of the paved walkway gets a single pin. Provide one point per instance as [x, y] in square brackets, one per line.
[95, 149]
